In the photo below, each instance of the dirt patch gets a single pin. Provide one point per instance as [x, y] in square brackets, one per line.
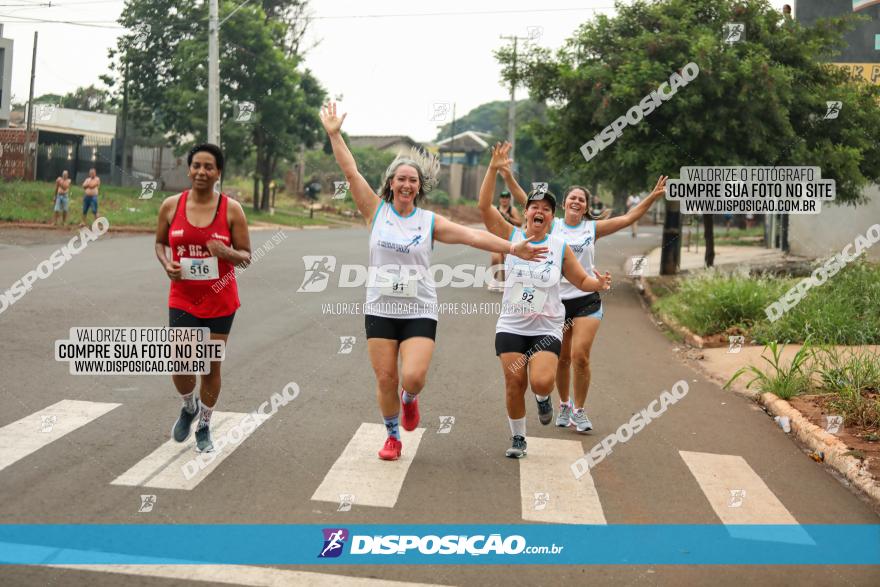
[864, 442]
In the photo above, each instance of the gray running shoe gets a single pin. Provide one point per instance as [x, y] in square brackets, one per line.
[518, 450]
[562, 420]
[203, 440]
[183, 426]
[580, 421]
[545, 410]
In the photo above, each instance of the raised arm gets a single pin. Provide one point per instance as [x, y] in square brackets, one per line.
[447, 231]
[574, 272]
[612, 225]
[492, 218]
[365, 198]
[519, 195]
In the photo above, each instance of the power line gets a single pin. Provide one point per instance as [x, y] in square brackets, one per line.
[458, 13]
[101, 24]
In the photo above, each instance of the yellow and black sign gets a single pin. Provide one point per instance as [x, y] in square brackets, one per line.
[867, 71]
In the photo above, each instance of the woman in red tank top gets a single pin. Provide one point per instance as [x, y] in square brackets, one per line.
[208, 237]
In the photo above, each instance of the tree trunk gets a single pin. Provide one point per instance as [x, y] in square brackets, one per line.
[709, 227]
[257, 176]
[266, 174]
[619, 203]
[670, 252]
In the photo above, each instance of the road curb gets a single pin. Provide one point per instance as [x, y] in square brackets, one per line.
[150, 230]
[823, 442]
[815, 438]
[689, 337]
[810, 435]
[67, 228]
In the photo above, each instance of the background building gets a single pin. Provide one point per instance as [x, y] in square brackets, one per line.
[5, 78]
[827, 233]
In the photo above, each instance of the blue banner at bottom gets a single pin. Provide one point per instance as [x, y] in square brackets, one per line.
[373, 544]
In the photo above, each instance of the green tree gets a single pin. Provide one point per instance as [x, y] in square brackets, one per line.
[491, 118]
[760, 101]
[165, 57]
[91, 98]
[371, 162]
[531, 162]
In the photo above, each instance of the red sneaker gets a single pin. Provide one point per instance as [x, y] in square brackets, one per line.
[409, 419]
[392, 449]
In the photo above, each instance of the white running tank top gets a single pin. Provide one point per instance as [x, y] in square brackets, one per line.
[581, 240]
[531, 305]
[399, 282]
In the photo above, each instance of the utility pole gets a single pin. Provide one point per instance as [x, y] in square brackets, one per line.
[511, 110]
[213, 73]
[124, 142]
[452, 136]
[30, 112]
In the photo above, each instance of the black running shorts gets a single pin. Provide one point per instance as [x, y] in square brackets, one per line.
[400, 329]
[180, 319]
[507, 342]
[586, 305]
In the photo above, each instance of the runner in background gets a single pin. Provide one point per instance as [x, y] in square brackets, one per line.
[598, 210]
[632, 202]
[512, 215]
[208, 236]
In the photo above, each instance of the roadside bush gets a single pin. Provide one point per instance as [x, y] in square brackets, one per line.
[845, 310]
[712, 302]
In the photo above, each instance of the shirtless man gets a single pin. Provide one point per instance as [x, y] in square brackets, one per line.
[90, 200]
[61, 198]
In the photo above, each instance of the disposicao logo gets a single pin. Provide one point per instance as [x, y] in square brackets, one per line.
[334, 541]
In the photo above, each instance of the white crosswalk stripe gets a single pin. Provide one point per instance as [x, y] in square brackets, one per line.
[735, 491]
[28, 435]
[549, 491]
[176, 465]
[242, 575]
[358, 472]
[738, 495]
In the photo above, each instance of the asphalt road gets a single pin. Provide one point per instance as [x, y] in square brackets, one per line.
[460, 476]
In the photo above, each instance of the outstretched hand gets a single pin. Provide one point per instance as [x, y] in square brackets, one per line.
[604, 280]
[527, 251]
[660, 188]
[501, 157]
[332, 123]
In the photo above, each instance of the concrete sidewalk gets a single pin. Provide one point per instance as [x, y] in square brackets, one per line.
[724, 255]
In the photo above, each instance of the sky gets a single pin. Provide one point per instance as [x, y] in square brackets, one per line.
[400, 66]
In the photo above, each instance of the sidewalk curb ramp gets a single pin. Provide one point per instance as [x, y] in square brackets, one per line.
[835, 451]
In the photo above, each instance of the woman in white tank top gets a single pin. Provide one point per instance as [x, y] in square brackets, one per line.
[401, 310]
[528, 335]
[583, 313]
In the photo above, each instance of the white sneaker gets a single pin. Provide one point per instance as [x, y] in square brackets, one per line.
[580, 421]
